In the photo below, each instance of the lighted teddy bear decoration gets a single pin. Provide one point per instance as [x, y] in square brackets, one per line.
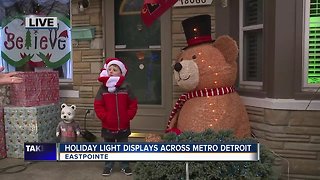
[68, 130]
[207, 70]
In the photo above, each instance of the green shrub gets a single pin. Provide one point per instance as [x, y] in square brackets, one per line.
[212, 170]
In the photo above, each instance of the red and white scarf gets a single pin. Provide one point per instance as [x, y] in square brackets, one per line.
[112, 82]
[198, 93]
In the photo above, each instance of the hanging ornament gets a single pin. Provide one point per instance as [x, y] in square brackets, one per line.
[140, 55]
[139, 27]
[141, 66]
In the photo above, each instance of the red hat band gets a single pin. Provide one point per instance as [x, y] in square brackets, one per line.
[199, 40]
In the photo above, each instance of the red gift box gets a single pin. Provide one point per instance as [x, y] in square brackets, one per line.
[38, 88]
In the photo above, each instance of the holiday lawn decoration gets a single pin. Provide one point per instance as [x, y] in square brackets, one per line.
[207, 70]
[153, 9]
[20, 45]
[212, 170]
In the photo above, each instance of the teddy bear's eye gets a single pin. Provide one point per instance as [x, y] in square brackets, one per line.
[62, 112]
[69, 114]
[194, 57]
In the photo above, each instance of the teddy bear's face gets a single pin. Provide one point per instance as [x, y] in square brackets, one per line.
[67, 113]
[204, 66]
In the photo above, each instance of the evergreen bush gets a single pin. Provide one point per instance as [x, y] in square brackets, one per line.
[210, 170]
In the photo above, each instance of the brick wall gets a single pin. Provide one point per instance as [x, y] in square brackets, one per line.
[295, 138]
[87, 61]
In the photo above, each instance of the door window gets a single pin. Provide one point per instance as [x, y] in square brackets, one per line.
[140, 49]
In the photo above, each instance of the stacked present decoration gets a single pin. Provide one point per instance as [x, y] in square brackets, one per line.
[39, 88]
[4, 100]
[3, 152]
[34, 111]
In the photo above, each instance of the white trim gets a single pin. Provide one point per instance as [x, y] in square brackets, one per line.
[242, 28]
[69, 93]
[253, 85]
[305, 46]
[241, 41]
[252, 27]
[305, 43]
[284, 104]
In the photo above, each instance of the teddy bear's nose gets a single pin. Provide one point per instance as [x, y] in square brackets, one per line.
[177, 67]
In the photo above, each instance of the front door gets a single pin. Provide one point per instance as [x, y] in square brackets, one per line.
[147, 53]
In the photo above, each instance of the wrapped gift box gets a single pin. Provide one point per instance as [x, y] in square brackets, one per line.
[4, 100]
[3, 152]
[4, 95]
[29, 124]
[38, 88]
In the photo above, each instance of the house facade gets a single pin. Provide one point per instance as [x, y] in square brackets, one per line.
[277, 81]
[279, 67]
[281, 90]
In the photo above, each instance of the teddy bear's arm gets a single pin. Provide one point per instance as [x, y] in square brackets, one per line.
[58, 129]
[77, 129]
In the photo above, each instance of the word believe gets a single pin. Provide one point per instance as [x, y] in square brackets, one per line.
[12, 41]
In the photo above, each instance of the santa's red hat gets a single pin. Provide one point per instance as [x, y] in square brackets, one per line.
[116, 61]
[112, 82]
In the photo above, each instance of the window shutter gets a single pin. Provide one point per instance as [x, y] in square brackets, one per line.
[253, 12]
[314, 43]
[252, 58]
[253, 55]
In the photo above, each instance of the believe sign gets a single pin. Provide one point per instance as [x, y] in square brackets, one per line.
[22, 41]
[182, 3]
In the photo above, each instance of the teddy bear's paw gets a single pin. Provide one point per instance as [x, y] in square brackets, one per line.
[174, 130]
[153, 138]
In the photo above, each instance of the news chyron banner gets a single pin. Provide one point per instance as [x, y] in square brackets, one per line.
[141, 152]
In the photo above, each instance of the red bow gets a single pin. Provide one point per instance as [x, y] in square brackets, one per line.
[152, 9]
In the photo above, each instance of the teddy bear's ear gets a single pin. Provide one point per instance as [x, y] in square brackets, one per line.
[228, 47]
[63, 105]
[73, 107]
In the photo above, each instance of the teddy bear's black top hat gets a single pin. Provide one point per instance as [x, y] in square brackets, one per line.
[197, 29]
